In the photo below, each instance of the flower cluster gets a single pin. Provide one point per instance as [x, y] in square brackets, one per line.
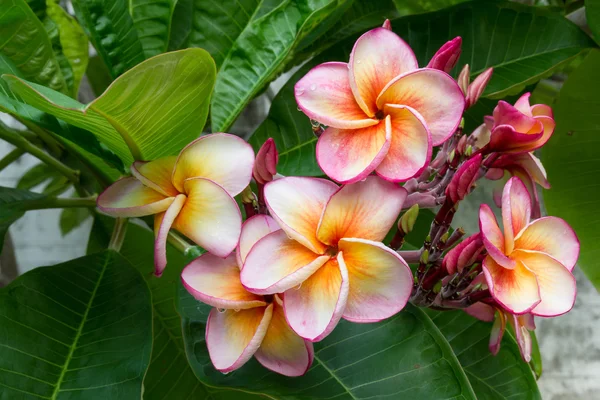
[311, 252]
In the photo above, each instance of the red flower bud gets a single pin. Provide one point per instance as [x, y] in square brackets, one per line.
[265, 166]
[463, 179]
[447, 56]
[464, 254]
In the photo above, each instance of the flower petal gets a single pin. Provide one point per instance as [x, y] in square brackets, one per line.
[349, 155]
[128, 197]
[225, 159]
[557, 284]
[433, 94]
[324, 94]
[481, 311]
[516, 211]
[254, 229]
[539, 110]
[365, 210]
[504, 138]
[156, 174]
[553, 236]
[522, 104]
[210, 217]
[378, 56]
[492, 236]
[519, 118]
[314, 308]
[232, 337]
[216, 281]
[497, 332]
[276, 263]
[160, 243]
[515, 289]
[282, 350]
[297, 203]
[380, 280]
[523, 337]
[410, 148]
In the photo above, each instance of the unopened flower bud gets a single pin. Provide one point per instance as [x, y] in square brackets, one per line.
[476, 88]
[447, 56]
[265, 166]
[437, 287]
[407, 221]
[451, 156]
[445, 237]
[387, 25]
[464, 254]
[424, 257]
[247, 196]
[461, 145]
[464, 79]
[464, 178]
[469, 151]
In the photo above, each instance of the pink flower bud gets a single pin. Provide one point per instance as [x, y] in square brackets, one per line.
[520, 128]
[265, 166]
[463, 179]
[464, 254]
[387, 25]
[464, 79]
[447, 56]
[476, 88]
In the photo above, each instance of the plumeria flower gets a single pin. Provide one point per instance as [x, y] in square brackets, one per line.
[383, 113]
[516, 129]
[528, 267]
[244, 324]
[522, 326]
[528, 168]
[192, 193]
[328, 259]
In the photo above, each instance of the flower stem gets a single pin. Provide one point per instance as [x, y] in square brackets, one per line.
[410, 256]
[11, 157]
[58, 202]
[20, 142]
[118, 234]
[178, 242]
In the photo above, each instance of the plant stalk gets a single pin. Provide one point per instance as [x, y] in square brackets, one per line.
[11, 157]
[58, 202]
[118, 234]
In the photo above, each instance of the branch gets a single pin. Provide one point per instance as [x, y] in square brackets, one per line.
[58, 202]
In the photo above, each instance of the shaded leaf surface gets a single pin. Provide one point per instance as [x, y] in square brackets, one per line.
[81, 329]
[152, 20]
[572, 160]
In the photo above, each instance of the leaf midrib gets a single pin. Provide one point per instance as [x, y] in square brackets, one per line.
[80, 329]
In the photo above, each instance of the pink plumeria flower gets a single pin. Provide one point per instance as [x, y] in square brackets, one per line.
[528, 168]
[521, 324]
[528, 267]
[244, 324]
[328, 259]
[520, 128]
[383, 113]
[192, 193]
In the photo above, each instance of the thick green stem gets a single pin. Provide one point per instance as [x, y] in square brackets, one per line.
[45, 137]
[118, 234]
[178, 242]
[23, 144]
[58, 202]
[11, 157]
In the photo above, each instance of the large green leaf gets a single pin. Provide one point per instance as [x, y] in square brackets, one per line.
[152, 20]
[73, 43]
[13, 203]
[260, 51]
[153, 110]
[592, 13]
[403, 357]
[25, 43]
[169, 376]
[523, 52]
[110, 28]
[572, 160]
[181, 24]
[77, 330]
[500, 377]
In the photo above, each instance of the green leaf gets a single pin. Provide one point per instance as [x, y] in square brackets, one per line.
[169, 376]
[36, 175]
[517, 60]
[26, 44]
[152, 20]
[71, 218]
[153, 110]
[592, 13]
[259, 54]
[81, 329]
[498, 377]
[215, 28]
[181, 24]
[13, 204]
[73, 41]
[110, 28]
[572, 160]
[405, 356]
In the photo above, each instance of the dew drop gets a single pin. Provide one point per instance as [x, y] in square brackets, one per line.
[386, 62]
[221, 310]
[298, 108]
[358, 61]
[314, 123]
[299, 286]
[299, 91]
[237, 310]
[313, 87]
